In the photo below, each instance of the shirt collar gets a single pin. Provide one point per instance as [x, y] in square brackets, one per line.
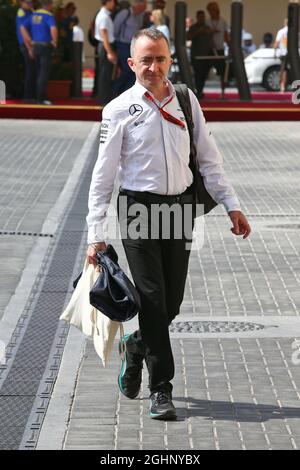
[106, 11]
[141, 90]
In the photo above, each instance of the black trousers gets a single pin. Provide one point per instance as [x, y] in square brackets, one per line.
[105, 71]
[159, 270]
[43, 58]
[29, 74]
[127, 78]
[201, 71]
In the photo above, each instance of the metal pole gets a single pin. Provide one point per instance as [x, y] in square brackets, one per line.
[236, 51]
[293, 46]
[180, 46]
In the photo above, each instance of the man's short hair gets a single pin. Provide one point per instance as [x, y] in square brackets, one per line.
[45, 3]
[151, 33]
[212, 5]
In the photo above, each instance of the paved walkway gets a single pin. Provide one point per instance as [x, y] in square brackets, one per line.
[237, 383]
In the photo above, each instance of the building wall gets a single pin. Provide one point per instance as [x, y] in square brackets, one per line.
[260, 16]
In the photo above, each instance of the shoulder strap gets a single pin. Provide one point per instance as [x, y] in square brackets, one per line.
[200, 192]
[183, 96]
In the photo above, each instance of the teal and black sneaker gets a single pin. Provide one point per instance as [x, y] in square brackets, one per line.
[130, 376]
[161, 406]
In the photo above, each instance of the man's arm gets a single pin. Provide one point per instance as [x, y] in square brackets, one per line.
[111, 55]
[54, 35]
[27, 39]
[227, 37]
[102, 184]
[212, 170]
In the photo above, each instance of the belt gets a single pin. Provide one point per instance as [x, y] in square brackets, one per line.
[152, 198]
[42, 44]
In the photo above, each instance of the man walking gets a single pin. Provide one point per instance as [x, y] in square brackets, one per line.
[127, 22]
[145, 136]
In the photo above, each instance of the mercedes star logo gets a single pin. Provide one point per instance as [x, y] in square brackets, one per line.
[135, 109]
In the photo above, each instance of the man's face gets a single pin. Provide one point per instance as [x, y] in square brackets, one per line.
[140, 8]
[214, 10]
[111, 5]
[151, 62]
[70, 11]
[201, 18]
[160, 4]
[26, 5]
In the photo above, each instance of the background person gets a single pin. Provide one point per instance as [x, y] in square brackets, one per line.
[104, 33]
[158, 20]
[248, 45]
[66, 30]
[126, 23]
[220, 36]
[267, 41]
[201, 37]
[24, 39]
[43, 31]
[281, 43]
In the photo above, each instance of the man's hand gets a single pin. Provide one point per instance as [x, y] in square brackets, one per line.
[92, 250]
[112, 57]
[31, 53]
[240, 224]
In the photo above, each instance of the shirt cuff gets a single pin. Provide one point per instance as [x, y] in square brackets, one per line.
[231, 204]
[96, 234]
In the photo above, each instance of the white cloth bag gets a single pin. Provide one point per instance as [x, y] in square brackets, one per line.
[80, 313]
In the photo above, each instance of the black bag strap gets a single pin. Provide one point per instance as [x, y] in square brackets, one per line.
[200, 193]
[183, 97]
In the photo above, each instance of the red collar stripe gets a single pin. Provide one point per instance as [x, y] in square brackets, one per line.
[164, 113]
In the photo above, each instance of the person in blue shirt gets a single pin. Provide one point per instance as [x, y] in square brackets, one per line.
[23, 14]
[43, 32]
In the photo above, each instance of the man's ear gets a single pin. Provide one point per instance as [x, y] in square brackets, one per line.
[130, 62]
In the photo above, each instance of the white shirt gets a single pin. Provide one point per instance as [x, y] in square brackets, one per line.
[78, 34]
[282, 38]
[163, 28]
[221, 27]
[151, 154]
[104, 21]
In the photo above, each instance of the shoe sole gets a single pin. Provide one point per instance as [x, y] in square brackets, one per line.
[168, 415]
[123, 368]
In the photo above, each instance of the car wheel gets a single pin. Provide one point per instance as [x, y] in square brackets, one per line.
[271, 78]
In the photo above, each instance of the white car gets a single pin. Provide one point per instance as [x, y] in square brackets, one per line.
[263, 68]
